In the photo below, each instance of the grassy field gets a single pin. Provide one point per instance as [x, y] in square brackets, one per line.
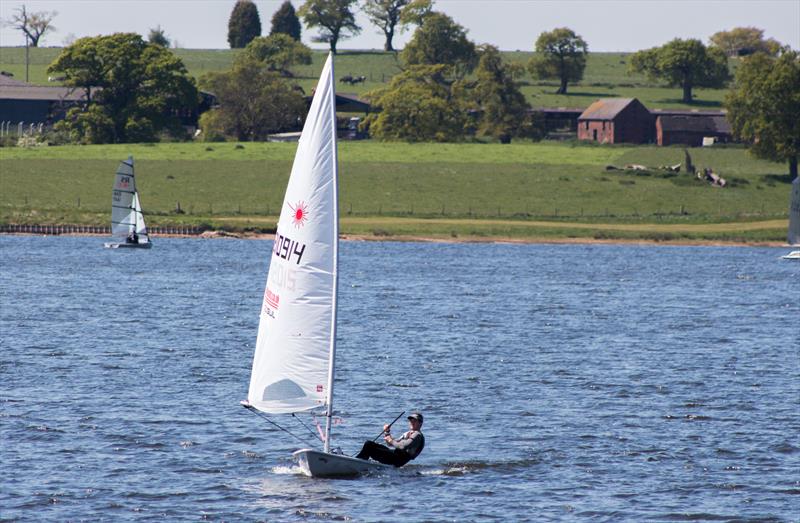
[605, 75]
[521, 190]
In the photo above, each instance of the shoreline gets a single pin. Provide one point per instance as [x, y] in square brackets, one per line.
[222, 235]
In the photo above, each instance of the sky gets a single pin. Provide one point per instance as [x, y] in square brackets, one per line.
[606, 25]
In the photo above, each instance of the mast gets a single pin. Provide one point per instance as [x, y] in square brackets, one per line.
[332, 355]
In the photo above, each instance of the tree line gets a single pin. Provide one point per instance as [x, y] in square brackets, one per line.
[448, 88]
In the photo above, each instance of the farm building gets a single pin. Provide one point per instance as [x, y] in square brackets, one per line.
[24, 102]
[616, 120]
[691, 129]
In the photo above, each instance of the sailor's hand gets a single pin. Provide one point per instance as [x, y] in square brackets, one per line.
[388, 438]
[386, 429]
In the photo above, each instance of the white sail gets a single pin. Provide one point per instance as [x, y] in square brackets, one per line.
[140, 227]
[123, 213]
[294, 356]
[794, 214]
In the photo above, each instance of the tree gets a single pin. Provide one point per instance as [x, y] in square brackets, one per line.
[743, 41]
[764, 106]
[244, 24]
[560, 54]
[33, 25]
[335, 18]
[278, 52]
[684, 63]
[386, 15]
[157, 36]
[417, 106]
[253, 102]
[285, 21]
[134, 89]
[441, 41]
[504, 112]
[416, 12]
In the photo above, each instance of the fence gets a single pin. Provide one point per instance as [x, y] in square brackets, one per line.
[18, 129]
[92, 229]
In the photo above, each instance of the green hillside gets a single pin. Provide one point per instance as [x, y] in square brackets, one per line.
[605, 75]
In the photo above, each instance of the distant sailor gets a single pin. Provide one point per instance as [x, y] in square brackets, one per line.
[399, 451]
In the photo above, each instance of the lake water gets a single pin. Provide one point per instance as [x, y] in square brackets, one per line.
[558, 382]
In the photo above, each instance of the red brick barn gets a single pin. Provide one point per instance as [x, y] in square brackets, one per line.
[616, 120]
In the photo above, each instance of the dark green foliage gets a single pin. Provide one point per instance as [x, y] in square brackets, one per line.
[253, 102]
[244, 24]
[134, 89]
[439, 40]
[335, 19]
[683, 63]
[504, 113]
[278, 52]
[285, 21]
[764, 106]
[560, 54]
[157, 36]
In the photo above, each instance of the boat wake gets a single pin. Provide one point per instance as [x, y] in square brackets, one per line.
[291, 470]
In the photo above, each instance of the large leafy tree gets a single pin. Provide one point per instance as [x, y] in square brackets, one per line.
[279, 52]
[134, 89]
[683, 63]
[744, 40]
[386, 15]
[560, 54]
[253, 102]
[244, 24]
[504, 112]
[764, 106]
[285, 21]
[334, 18]
[439, 40]
[418, 105]
[33, 25]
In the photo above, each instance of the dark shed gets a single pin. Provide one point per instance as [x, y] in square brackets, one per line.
[690, 130]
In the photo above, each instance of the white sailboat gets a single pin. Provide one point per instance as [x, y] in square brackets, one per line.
[127, 220]
[794, 221]
[294, 360]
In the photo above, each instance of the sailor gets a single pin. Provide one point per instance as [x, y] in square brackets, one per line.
[398, 451]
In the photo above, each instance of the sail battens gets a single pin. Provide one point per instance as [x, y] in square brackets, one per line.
[297, 319]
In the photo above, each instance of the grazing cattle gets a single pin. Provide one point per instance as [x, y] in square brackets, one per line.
[352, 80]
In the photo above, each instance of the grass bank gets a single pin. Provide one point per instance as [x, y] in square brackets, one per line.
[544, 190]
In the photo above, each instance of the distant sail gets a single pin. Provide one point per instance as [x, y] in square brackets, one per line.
[296, 334]
[123, 214]
[794, 214]
[126, 211]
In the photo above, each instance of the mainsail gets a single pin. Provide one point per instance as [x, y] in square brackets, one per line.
[126, 212]
[794, 214]
[294, 356]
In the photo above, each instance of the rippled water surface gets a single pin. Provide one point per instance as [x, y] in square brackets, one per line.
[558, 382]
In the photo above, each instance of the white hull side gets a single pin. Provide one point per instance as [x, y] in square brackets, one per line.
[794, 255]
[318, 464]
[122, 245]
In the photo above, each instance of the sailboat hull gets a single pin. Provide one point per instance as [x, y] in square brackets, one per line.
[794, 255]
[122, 245]
[318, 464]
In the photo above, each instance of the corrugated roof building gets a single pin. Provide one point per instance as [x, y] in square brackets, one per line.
[24, 102]
[692, 129]
[616, 120]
